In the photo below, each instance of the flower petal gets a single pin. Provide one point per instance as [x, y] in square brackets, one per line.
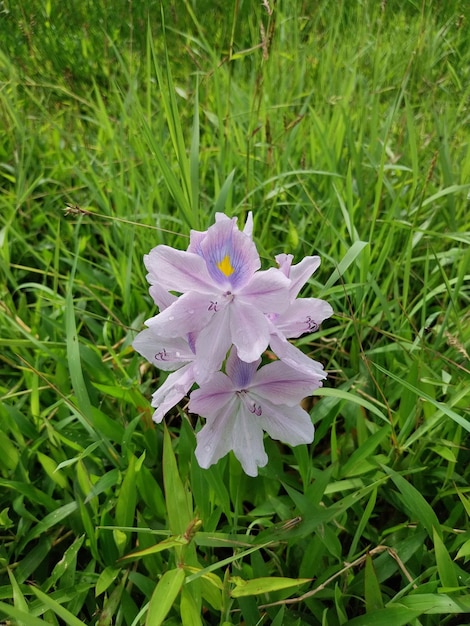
[304, 315]
[249, 330]
[230, 255]
[215, 439]
[166, 354]
[212, 344]
[268, 291]
[162, 298]
[281, 384]
[300, 273]
[296, 359]
[177, 270]
[290, 424]
[248, 444]
[240, 372]
[212, 396]
[174, 389]
[190, 313]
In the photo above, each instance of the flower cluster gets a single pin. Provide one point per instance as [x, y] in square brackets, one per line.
[215, 332]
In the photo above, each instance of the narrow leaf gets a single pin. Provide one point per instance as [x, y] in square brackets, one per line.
[263, 585]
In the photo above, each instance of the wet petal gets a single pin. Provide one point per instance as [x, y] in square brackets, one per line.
[174, 389]
[281, 384]
[190, 313]
[177, 270]
[268, 291]
[295, 358]
[162, 298]
[215, 439]
[304, 315]
[240, 372]
[249, 330]
[166, 354]
[248, 444]
[212, 344]
[212, 396]
[290, 424]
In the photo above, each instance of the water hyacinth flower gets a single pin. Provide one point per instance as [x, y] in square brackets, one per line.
[224, 294]
[226, 305]
[245, 401]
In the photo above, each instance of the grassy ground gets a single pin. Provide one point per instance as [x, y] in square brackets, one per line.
[344, 127]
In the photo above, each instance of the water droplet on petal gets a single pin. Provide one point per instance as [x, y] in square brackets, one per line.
[178, 354]
[171, 318]
[208, 447]
[191, 311]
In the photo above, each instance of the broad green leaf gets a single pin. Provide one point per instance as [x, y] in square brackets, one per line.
[51, 519]
[436, 603]
[106, 578]
[111, 605]
[189, 610]
[390, 616]
[263, 585]
[164, 596]
[464, 550]
[50, 467]
[65, 568]
[364, 451]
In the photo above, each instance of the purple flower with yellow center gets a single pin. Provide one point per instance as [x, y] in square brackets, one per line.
[246, 401]
[224, 297]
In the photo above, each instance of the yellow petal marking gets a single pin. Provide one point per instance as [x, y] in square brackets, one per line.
[225, 266]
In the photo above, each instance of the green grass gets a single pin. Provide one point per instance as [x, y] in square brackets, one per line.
[344, 128]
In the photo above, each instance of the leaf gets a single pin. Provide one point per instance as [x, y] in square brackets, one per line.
[417, 506]
[176, 497]
[164, 595]
[190, 612]
[166, 544]
[349, 258]
[21, 616]
[436, 603]
[106, 578]
[396, 615]
[445, 566]
[18, 597]
[263, 585]
[125, 507]
[372, 594]
[458, 419]
[57, 608]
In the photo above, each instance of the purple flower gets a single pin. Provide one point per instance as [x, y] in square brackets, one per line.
[244, 402]
[302, 315]
[175, 355]
[224, 294]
